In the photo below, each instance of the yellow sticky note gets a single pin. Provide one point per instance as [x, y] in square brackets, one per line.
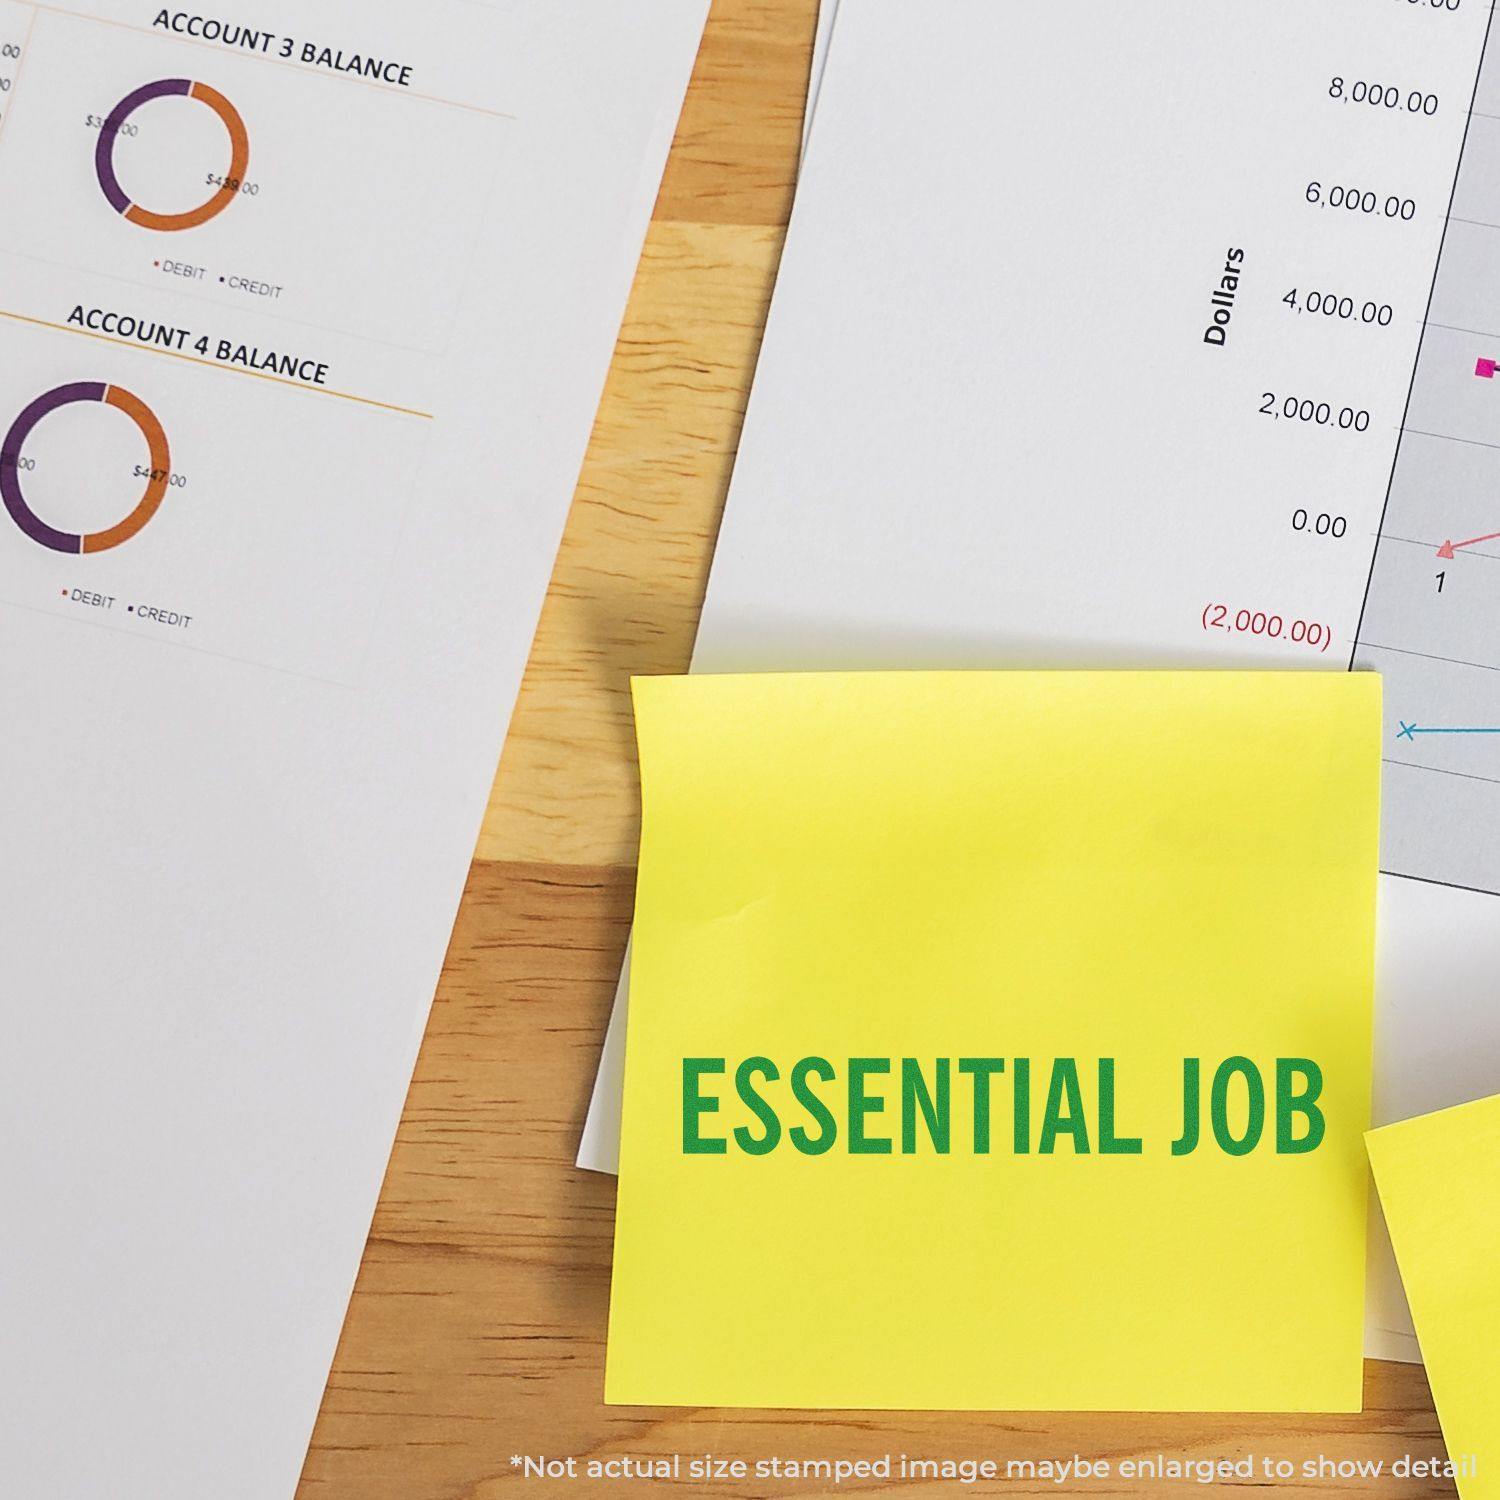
[1440, 1191]
[929, 970]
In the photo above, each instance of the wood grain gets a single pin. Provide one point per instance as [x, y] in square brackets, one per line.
[476, 1331]
[630, 576]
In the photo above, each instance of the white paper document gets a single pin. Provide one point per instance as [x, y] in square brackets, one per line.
[305, 310]
[827, 13]
[1102, 337]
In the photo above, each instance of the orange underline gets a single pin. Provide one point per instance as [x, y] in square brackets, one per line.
[213, 364]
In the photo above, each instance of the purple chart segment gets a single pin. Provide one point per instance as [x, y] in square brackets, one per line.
[157, 475]
[104, 151]
[10, 465]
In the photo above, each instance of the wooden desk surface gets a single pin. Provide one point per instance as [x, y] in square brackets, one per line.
[477, 1328]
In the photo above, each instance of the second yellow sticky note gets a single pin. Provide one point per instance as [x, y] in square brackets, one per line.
[1440, 1189]
[999, 1041]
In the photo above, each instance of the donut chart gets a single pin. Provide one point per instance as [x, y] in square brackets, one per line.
[167, 88]
[78, 543]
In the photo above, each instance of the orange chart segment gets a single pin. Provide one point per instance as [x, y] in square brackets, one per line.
[156, 486]
[19, 508]
[233, 180]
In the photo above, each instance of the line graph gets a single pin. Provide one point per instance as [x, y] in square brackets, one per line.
[1450, 549]
[1431, 621]
[1411, 731]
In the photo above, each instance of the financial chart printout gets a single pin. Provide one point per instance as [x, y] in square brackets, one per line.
[1431, 619]
[181, 271]
[1102, 352]
[305, 309]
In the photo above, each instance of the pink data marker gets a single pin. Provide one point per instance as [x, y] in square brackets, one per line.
[1485, 369]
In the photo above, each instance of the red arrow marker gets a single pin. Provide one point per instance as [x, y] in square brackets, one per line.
[1447, 550]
